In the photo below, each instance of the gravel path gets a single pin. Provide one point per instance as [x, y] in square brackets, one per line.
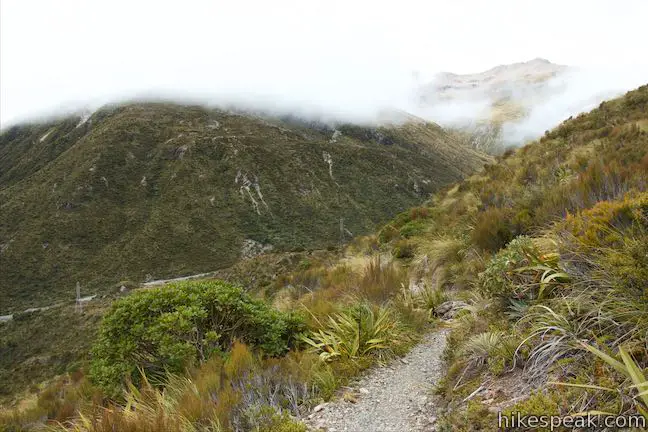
[393, 398]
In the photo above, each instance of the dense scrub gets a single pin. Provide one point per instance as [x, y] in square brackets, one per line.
[207, 356]
[154, 191]
[169, 329]
[548, 249]
[149, 191]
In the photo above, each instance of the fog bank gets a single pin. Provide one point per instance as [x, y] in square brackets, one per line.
[336, 60]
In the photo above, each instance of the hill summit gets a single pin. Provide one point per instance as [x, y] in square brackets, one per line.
[494, 99]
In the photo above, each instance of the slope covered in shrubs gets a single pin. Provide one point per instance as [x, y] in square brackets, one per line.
[548, 248]
[208, 356]
[544, 252]
[160, 190]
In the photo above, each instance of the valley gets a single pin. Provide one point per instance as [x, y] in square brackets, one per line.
[521, 284]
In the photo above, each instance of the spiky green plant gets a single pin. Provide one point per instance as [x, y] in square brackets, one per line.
[549, 278]
[556, 330]
[480, 346]
[363, 330]
[628, 367]
[429, 298]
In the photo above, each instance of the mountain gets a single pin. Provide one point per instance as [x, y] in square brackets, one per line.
[494, 98]
[545, 256]
[154, 190]
[540, 260]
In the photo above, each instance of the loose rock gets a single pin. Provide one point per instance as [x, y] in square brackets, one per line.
[392, 399]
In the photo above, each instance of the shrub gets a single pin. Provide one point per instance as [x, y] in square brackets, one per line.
[496, 278]
[170, 328]
[362, 330]
[522, 271]
[492, 230]
[403, 249]
[380, 282]
[411, 229]
[603, 224]
[387, 234]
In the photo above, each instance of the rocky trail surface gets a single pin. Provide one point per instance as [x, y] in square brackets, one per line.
[396, 397]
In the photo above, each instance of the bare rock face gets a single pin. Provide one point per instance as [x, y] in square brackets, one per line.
[450, 309]
[252, 248]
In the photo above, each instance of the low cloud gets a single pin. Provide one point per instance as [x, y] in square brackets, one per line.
[578, 90]
[338, 60]
[546, 104]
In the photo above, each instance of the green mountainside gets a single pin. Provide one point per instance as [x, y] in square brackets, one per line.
[545, 256]
[539, 261]
[156, 190]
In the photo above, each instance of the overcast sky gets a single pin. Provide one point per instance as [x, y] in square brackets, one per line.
[343, 56]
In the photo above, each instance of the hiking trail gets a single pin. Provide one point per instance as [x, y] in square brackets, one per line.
[393, 398]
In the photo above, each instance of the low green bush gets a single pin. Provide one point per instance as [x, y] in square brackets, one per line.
[403, 249]
[493, 229]
[170, 328]
[496, 279]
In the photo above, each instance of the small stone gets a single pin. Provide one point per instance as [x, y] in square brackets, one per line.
[422, 401]
[319, 407]
[363, 390]
[350, 397]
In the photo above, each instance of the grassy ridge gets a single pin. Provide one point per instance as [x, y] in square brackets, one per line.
[547, 248]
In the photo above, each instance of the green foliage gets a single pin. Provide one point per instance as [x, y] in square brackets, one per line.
[403, 249]
[426, 299]
[36, 346]
[522, 271]
[497, 279]
[411, 229]
[158, 190]
[480, 346]
[387, 234]
[608, 222]
[362, 330]
[493, 229]
[169, 190]
[430, 298]
[630, 369]
[580, 192]
[169, 329]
